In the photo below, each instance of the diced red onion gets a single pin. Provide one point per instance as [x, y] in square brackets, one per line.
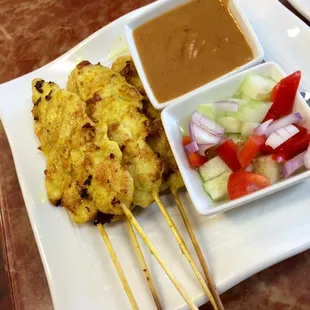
[202, 136]
[192, 147]
[261, 129]
[249, 168]
[307, 158]
[281, 135]
[230, 106]
[293, 165]
[283, 122]
[206, 123]
[203, 147]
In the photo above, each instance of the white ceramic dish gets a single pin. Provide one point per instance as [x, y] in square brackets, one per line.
[176, 119]
[302, 6]
[163, 6]
[236, 244]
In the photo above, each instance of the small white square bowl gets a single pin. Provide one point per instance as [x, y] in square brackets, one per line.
[177, 117]
[162, 6]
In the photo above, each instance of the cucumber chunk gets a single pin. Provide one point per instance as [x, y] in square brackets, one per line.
[253, 112]
[207, 110]
[268, 167]
[256, 87]
[231, 124]
[217, 187]
[247, 129]
[213, 168]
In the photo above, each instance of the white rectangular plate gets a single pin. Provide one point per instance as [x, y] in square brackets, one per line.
[78, 268]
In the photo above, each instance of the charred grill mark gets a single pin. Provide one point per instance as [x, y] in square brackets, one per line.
[83, 63]
[37, 102]
[89, 131]
[84, 193]
[128, 71]
[88, 125]
[49, 96]
[88, 180]
[38, 86]
[115, 201]
[102, 218]
[96, 98]
[112, 128]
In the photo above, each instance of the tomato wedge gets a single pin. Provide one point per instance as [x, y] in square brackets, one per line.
[228, 153]
[242, 183]
[186, 140]
[293, 148]
[250, 150]
[287, 145]
[283, 95]
[196, 160]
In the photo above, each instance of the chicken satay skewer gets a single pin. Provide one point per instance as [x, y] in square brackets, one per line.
[114, 102]
[154, 252]
[125, 66]
[117, 266]
[143, 264]
[197, 248]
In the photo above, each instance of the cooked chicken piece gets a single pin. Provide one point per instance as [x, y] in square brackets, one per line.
[112, 101]
[157, 139]
[84, 171]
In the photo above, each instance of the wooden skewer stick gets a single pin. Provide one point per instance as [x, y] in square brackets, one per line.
[118, 267]
[143, 264]
[197, 249]
[185, 250]
[154, 252]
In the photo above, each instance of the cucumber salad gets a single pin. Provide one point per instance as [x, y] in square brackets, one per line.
[250, 141]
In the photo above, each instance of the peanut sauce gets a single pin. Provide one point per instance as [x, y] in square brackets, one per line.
[189, 46]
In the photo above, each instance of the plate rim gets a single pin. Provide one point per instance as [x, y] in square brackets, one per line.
[254, 269]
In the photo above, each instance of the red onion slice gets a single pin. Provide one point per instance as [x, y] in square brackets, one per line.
[230, 106]
[307, 158]
[192, 147]
[293, 165]
[283, 122]
[281, 135]
[202, 136]
[206, 123]
[261, 129]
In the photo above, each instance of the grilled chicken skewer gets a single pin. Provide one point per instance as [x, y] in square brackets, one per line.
[83, 173]
[112, 101]
[79, 162]
[159, 143]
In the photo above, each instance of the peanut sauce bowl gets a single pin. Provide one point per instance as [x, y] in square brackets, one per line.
[176, 120]
[170, 72]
